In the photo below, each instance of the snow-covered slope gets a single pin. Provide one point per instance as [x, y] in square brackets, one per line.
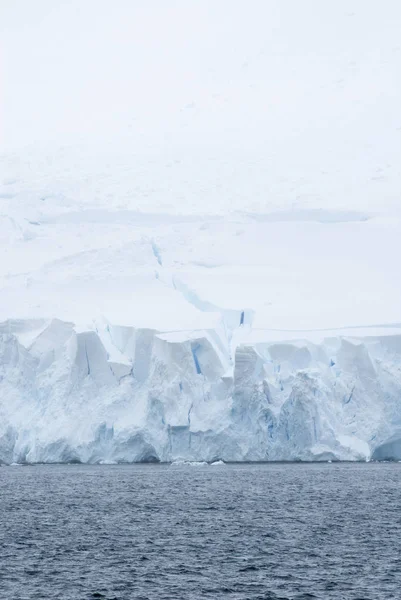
[201, 263]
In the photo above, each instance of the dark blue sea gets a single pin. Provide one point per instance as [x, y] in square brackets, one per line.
[267, 531]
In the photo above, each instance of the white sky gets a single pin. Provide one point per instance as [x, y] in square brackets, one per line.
[230, 73]
[202, 108]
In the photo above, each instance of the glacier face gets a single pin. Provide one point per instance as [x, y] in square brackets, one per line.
[200, 232]
[131, 336]
[156, 396]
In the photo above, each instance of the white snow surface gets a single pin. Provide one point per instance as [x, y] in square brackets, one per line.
[200, 259]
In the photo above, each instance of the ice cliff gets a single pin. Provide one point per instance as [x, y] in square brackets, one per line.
[150, 336]
[200, 231]
[120, 394]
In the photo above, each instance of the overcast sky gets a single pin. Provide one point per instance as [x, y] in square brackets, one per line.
[219, 73]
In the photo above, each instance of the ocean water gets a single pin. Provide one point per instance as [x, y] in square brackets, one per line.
[268, 531]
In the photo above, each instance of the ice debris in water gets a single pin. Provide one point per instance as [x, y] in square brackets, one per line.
[189, 463]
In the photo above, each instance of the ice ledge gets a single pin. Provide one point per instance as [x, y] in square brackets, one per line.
[123, 394]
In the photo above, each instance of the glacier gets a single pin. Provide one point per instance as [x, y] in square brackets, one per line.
[127, 337]
[152, 339]
[200, 232]
[168, 397]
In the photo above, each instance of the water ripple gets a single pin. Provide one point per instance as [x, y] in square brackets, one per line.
[271, 532]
